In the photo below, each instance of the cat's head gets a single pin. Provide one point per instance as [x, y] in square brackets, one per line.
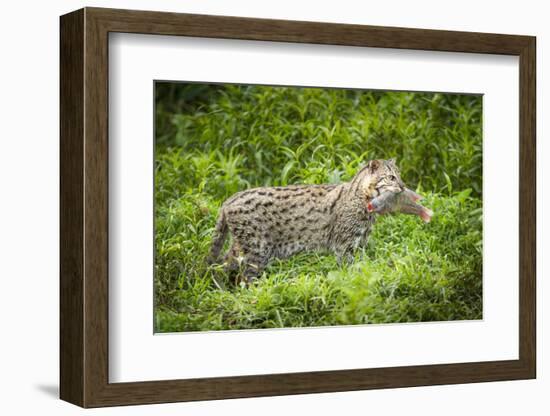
[377, 177]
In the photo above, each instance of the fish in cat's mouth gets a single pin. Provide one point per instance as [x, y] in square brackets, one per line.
[404, 202]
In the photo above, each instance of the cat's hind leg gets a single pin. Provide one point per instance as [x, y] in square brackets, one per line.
[232, 259]
[254, 264]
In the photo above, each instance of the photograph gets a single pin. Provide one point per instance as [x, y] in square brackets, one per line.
[291, 206]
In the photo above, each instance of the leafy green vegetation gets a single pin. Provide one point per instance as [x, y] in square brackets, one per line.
[215, 140]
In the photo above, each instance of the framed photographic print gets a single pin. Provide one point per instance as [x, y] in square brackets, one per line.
[255, 207]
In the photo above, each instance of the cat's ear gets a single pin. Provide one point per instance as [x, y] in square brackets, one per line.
[391, 162]
[373, 166]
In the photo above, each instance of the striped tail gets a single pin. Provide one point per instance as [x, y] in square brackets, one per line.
[220, 234]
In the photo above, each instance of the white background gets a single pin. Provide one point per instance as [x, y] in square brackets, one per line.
[29, 217]
[136, 355]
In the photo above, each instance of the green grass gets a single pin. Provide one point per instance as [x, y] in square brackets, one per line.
[212, 141]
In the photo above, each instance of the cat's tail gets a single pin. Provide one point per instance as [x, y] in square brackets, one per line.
[220, 234]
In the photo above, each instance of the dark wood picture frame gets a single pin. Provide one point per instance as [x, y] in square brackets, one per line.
[84, 207]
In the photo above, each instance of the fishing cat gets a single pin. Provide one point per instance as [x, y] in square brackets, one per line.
[277, 222]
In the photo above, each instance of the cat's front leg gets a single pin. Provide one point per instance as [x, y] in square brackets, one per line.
[345, 256]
